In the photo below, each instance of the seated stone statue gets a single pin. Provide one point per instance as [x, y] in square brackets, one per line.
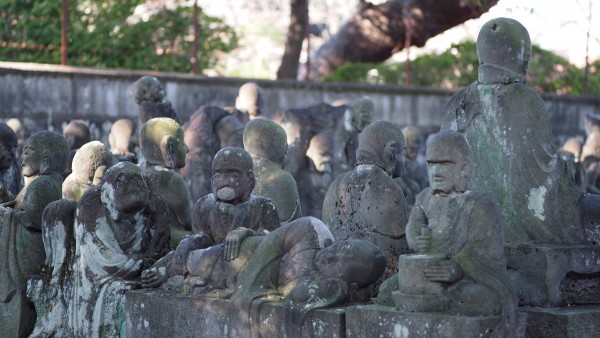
[458, 233]
[121, 229]
[507, 125]
[77, 134]
[231, 205]
[43, 160]
[248, 103]
[89, 164]
[315, 180]
[149, 93]
[121, 140]
[209, 129]
[265, 141]
[162, 145]
[366, 203]
[413, 178]
[325, 273]
[11, 181]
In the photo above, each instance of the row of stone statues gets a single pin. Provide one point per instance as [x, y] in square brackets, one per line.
[458, 242]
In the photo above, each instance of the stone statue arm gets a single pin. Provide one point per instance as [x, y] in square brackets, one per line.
[178, 198]
[417, 239]
[446, 271]
[234, 240]
[39, 193]
[269, 219]
[200, 219]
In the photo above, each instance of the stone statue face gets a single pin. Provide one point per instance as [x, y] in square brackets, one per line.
[249, 100]
[362, 113]
[125, 192]
[31, 159]
[179, 150]
[232, 178]
[320, 152]
[148, 88]
[413, 142]
[448, 165]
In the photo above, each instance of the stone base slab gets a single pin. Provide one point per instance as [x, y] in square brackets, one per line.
[566, 322]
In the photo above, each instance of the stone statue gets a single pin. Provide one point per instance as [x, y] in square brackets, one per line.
[89, 164]
[413, 178]
[592, 142]
[570, 152]
[315, 180]
[512, 146]
[11, 181]
[20, 130]
[121, 140]
[163, 147]
[77, 134]
[209, 129]
[44, 159]
[149, 93]
[248, 103]
[231, 204]
[460, 267]
[325, 273]
[366, 203]
[121, 229]
[265, 141]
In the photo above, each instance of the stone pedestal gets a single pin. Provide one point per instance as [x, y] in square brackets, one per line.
[164, 314]
[567, 322]
[555, 275]
[380, 321]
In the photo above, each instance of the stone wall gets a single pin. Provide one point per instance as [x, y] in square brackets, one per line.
[49, 95]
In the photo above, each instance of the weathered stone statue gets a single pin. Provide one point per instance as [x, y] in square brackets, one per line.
[516, 163]
[121, 229]
[231, 204]
[323, 274]
[11, 181]
[248, 103]
[149, 93]
[458, 233]
[77, 134]
[366, 203]
[592, 142]
[122, 140]
[315, 180]
[209, 129]
[163, 147]
[266, 142]
[43, 160]
[89, 164]
[413, 177]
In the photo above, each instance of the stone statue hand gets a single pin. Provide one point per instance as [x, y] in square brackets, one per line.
[424, 241]
[446, 271]
[154, 277]
[234, 240]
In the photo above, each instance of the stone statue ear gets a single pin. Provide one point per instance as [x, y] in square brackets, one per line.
[167, 146]
[389, 156]
[45, 163]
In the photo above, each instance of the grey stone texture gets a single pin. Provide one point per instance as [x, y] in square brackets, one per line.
[580, 322]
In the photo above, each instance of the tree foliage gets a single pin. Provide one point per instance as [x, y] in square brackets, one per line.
[457, 67]
[105, 33]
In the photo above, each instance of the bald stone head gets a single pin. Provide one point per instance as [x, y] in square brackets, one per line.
[381, 143]
[125, 192]
[148, 88]
[448, 163]
[77, 134]
[413, 141]
[121, 133]
[8, 146]
[232, 175]
[362, 113]
[249, 100]
[44, 153]
[91, 162]
[161, 142]
[320, 151]
[504, 51]
[267, 139]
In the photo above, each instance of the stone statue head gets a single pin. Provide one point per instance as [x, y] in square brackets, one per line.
[77, 134]
[161, 142]
[8, 146]
[148, 88]
[353, 260]
[592, 123]
[448, 163]
[124, 191]
[267, 139]
[44, 153]
[574, 146]
[382, 143]
[232, 175]
[413, 141]
[504, 51]
[120, 137]
[320, 152]
[362, 113]
[249, 100]
[91, 162]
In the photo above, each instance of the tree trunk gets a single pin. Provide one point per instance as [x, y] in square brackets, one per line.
[293, 46]
[376, 32]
